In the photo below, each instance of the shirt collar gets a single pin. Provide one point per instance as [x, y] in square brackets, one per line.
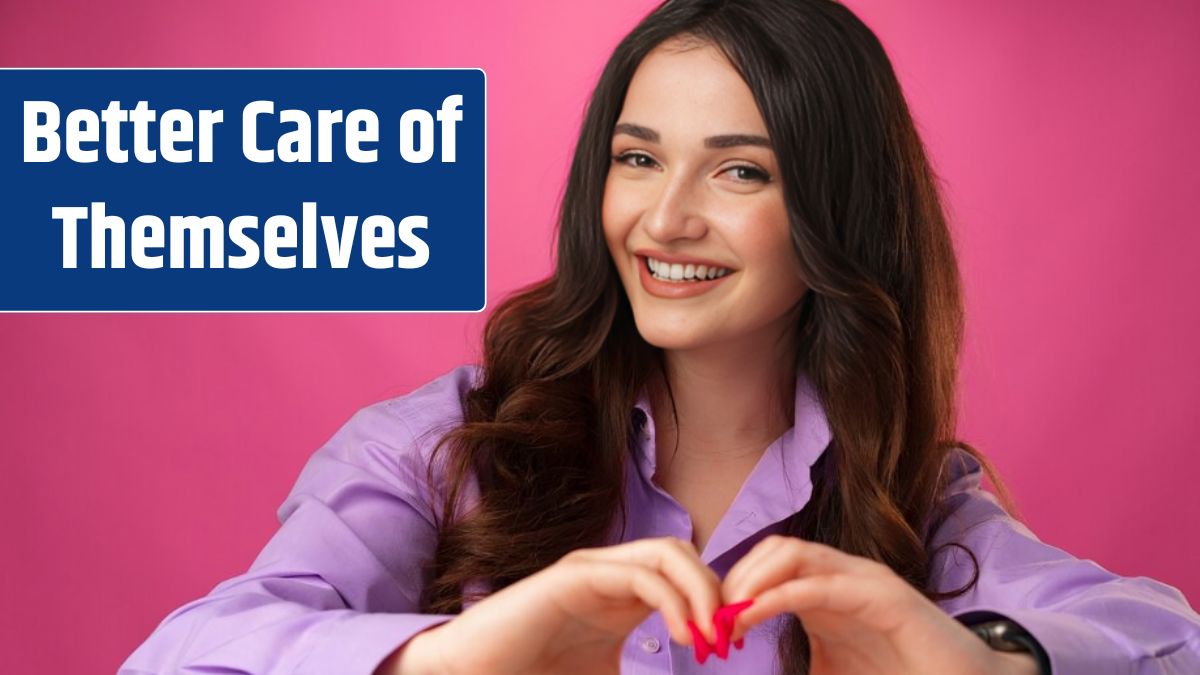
[780, 484]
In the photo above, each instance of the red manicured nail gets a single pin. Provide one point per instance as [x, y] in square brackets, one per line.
[737, 607]
[721, 623]
[699, 643]
[724, 620]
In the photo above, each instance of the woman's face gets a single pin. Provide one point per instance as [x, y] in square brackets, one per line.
[693, 186]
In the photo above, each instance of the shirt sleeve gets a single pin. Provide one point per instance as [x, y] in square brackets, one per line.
[336, 589]
[1087, 619]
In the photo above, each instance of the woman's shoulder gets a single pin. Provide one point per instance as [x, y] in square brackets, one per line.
[411, 424]
[963, 501]
[390, 444]
[405, 429]
[433, 406]
[963, 470]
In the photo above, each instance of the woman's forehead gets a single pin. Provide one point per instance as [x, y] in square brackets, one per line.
[690, 92]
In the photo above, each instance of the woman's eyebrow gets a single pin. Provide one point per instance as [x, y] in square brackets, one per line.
[716, 142]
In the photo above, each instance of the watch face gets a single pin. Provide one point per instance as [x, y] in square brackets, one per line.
[1004, 636]
[1007, 636]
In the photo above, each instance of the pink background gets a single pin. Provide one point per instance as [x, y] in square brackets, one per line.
[147, 454]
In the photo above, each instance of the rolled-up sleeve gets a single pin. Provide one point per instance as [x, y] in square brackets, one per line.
[1089, 620]
[337, 588]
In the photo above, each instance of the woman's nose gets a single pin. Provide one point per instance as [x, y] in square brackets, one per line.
[675, 212]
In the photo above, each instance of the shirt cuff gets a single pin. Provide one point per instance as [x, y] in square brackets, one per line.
[1074, 646]
[357, 644]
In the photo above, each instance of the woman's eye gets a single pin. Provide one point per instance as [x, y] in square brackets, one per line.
[742, 173]
[749, 174]
[636, 157]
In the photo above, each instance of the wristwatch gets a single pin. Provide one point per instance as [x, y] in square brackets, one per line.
[1008, 636]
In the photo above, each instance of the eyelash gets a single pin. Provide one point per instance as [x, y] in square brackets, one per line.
[759, 175]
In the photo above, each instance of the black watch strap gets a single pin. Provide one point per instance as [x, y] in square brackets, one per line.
[1005, 635]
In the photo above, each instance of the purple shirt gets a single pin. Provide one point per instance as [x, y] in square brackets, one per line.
[336, 589]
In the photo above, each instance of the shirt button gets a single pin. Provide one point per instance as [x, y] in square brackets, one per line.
[651, 645]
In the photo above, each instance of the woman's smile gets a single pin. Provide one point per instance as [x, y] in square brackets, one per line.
[675, 280]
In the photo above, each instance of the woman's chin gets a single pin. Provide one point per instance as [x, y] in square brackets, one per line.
[675, 339]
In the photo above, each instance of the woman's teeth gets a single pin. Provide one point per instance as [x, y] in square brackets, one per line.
[679, 272]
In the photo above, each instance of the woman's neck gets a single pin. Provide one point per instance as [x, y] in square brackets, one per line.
[730, 406]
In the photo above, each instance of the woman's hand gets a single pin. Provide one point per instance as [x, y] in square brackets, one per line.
[861, 618]
[573, 617]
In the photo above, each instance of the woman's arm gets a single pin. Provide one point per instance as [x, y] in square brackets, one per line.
[336, 589]
[1089, 620]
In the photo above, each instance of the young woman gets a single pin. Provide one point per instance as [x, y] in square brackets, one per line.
[738, 385]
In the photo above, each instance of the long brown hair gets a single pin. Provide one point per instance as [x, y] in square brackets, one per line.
[546, 431]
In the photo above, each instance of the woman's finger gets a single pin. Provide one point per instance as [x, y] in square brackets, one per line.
[840, 593]
[794, 560]
[679, 562]
[790, 559]
[755, 556]
[623, 582]
[849, 594]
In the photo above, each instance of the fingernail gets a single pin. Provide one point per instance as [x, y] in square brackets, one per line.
[737, 607]
[721, 623]
[724, 619]
[732, 611]
[699, 643]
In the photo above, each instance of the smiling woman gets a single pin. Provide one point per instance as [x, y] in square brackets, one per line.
[727, 419]
[698, 191]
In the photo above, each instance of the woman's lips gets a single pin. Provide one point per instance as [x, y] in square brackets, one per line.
[674, 289]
